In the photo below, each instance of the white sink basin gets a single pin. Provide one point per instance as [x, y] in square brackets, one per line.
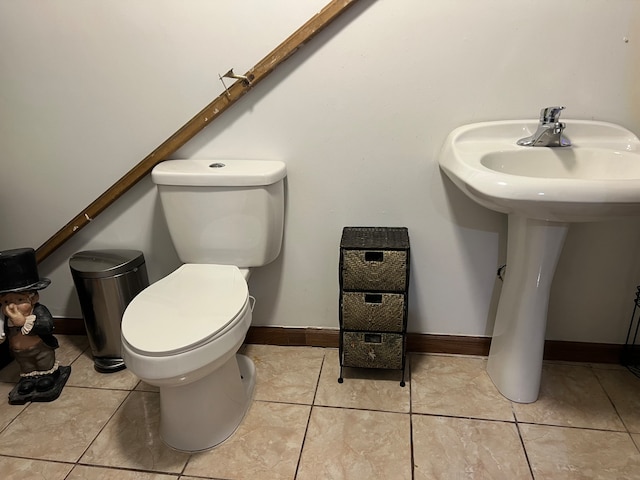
[598, 177]
[542, 189]
[583, 164]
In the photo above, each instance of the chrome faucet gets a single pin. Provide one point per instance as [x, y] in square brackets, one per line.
[549, 132]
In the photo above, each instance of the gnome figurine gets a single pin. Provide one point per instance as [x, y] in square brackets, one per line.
[28, 326]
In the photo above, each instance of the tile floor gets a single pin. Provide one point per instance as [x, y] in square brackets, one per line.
[449, 422]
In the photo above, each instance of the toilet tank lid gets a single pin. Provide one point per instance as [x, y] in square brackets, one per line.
[219, 173]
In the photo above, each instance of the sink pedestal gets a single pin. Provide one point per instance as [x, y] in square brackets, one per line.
[598, 178]
[517, 346]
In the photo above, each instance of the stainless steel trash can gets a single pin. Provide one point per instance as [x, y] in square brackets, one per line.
[106, 281]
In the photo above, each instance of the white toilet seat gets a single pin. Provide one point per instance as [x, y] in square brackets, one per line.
[185, 310]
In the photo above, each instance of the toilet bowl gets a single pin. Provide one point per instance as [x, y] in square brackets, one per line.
[183, 332]
[182, 335]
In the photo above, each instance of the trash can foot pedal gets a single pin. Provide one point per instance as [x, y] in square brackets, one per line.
[108, 365]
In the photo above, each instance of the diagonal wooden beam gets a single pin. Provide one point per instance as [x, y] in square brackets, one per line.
[190, 129]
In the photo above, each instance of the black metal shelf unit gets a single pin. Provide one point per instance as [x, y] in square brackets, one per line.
[374, 285]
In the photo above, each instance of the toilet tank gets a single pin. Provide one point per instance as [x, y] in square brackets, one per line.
[228, 212]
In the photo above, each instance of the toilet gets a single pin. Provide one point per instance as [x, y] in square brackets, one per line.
[183, 332]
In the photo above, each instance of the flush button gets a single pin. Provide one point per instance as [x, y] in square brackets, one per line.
[217, 165]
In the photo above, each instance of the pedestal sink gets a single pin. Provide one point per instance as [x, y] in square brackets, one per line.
[542, 190]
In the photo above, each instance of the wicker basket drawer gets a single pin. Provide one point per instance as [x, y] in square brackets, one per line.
[382, 312]
[382, 270]
[372, 350]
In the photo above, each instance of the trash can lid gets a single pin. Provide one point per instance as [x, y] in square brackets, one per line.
[105, 263]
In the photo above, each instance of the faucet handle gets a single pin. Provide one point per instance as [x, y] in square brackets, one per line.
[550, 114]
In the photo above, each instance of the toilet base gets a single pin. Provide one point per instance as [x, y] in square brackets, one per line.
[202, 414]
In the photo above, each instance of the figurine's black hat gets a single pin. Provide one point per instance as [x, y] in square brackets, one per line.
[19, 271]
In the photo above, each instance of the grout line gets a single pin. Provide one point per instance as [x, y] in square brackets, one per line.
[615, 409]
[524, 448]
[614, 406]
[125, 469]
[124, 400]
[573, 427]
[107, 389]
[44, 460]
[464, 417]
[115, 467]
[409, 384]
[311, 407]
[520, 422]
[24, 409]
[357, 409]
[315, 391]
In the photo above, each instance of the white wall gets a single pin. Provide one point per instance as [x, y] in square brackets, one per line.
[89, 88]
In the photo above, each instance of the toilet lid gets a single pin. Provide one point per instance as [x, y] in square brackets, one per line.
[184, 309]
